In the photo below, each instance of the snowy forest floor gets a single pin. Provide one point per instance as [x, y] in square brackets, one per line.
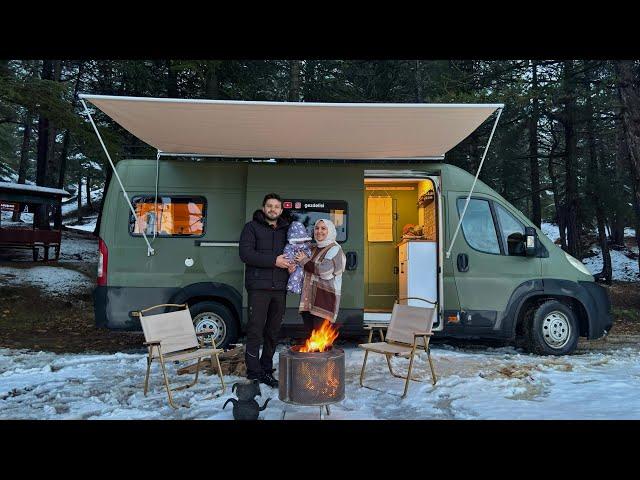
[55, 363]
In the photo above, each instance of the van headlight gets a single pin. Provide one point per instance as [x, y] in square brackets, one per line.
[577, 263]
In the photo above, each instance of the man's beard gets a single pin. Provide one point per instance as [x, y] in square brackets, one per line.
[270, 217]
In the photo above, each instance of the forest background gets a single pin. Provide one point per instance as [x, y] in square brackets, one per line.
[566, 151]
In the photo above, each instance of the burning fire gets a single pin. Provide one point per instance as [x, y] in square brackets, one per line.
[320, 339]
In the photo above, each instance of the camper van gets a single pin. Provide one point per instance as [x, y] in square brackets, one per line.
[504, 278]
[411, 225]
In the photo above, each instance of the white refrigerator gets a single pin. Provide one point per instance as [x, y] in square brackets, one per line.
[418, 276]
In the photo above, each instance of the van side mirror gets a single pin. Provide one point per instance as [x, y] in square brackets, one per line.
[530, 241]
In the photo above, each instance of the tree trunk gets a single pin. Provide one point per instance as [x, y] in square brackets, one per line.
[79, 191]
[536, 208]
[88, 190]
[560, 210]
[571, 154]
[594, 189]
[107, 183]
[629, 93]
[211, 80]
[40, 219]
[294, 81]
[419, 97]
[24, 162]
[64, 152]
[172, 80]
[53, 162]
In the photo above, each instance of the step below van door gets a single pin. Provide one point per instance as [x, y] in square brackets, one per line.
[486, 259]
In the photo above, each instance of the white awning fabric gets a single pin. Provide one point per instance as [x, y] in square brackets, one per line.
[241, 129]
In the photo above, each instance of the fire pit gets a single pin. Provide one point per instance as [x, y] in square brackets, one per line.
[313, 374]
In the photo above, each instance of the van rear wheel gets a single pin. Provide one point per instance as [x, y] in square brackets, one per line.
[210, 315]
[551, 329]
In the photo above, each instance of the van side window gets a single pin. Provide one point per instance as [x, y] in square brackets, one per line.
[478, 227]
[173, 216]
[308, 212]
[512, 231]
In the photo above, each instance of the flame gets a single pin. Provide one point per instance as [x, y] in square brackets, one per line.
[320, 339]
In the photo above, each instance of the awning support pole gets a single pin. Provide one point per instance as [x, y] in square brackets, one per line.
[150, 250]
[466, 204]
[155, 223]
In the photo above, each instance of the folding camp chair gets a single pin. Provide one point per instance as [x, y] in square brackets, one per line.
[409, 329]
[171, 337]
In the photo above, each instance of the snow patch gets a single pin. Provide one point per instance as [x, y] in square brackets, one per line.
[499, 383]
[51, 279]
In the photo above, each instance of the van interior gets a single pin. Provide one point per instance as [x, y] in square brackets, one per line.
[401, 243]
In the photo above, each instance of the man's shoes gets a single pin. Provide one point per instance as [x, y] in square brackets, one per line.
[269, 380]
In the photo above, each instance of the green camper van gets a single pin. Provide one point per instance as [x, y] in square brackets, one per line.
[503, 278]
[410, 224]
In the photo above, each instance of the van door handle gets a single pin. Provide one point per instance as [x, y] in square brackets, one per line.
[352, 261]
[463, 262]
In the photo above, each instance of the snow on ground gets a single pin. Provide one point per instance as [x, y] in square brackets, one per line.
[497, 383]
[51, 279]
[624, 268]
[551, 231]
[71, 205]
[88, 225]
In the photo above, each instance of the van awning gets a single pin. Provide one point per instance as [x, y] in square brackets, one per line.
[242, 129]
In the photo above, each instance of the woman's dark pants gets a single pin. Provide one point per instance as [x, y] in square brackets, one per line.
[311, 322]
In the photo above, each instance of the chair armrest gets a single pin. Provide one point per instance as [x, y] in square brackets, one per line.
[204, 332]
[422, 334]
[183, 305]
[151, 343]
[432, 302]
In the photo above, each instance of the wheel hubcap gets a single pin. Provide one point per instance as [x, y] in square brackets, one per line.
[556, 329]
[211, 321]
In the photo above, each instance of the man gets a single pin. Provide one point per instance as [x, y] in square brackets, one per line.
[261, 245]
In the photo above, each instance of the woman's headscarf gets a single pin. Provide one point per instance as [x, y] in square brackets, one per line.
[331, 233]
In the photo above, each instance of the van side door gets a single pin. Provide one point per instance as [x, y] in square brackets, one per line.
[488, 260]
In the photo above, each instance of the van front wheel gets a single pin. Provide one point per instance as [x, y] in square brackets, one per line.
[210, 315]
[552, 329]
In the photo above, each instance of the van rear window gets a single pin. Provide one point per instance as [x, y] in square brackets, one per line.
[309, 211]
[172, 216]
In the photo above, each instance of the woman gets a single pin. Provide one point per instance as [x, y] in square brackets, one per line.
[320, 298]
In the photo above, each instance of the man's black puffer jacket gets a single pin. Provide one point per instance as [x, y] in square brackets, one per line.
[260, 244]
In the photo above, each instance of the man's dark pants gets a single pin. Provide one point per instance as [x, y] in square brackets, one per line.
[266, 310]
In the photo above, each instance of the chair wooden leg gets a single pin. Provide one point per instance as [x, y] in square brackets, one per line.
[195, 380]
[146, 378]
[364, 364]
[388, 357]
[224, 387]
[166, 382]
[434, 379]
[406, 384]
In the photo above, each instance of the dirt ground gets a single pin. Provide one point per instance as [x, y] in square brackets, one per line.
[32, 319]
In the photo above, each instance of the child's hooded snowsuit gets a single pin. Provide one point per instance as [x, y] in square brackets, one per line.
[298, 242]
